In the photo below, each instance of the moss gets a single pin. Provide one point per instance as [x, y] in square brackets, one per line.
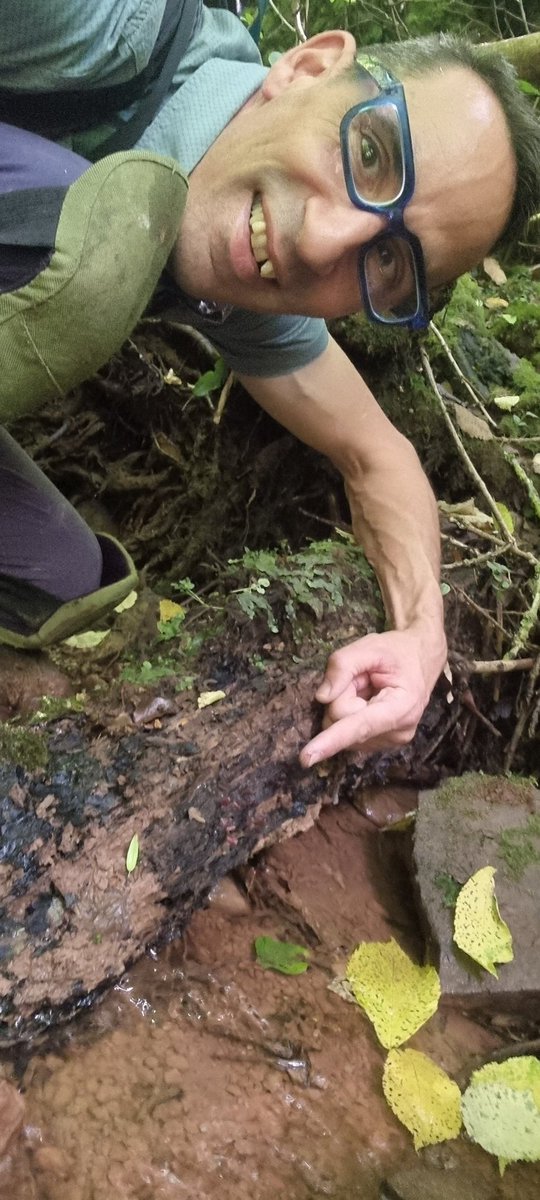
[520, 847]
[25, 747]
[522, 335]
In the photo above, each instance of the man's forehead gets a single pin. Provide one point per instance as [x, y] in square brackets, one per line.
[465, 168]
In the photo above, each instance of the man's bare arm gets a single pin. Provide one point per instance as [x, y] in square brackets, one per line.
[375, 688]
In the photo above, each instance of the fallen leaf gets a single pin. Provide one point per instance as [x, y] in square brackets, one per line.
[132, 856]
[168, 609]
[494, 270]
[472, 425]
[285, 957]
[87, 641]
[195, 814]
[521, 1073]
[422, 1096]
[479, 929]
[506, 515]
[127, 602]
[397, 995]
[507, 403]
[163, 443]
[467, 513]
[503, 1120]
[207, 698]
[494, 302]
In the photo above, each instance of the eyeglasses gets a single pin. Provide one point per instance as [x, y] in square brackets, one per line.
[378, 163]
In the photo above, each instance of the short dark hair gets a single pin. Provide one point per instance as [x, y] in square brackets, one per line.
[422, 55]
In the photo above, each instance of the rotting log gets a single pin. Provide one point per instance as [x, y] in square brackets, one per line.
[204, 791]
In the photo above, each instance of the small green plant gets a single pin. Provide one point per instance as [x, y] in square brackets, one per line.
[212, 380]
[148, 672]
[448, 887]
[315, 578]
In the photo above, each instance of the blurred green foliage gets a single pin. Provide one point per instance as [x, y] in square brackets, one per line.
[391, 20]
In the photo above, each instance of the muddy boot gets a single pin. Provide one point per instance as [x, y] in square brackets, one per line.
[31, 618]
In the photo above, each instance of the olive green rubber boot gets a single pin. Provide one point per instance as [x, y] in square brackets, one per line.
[31, 618]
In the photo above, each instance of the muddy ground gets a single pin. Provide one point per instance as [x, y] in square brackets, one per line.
[203, 1076]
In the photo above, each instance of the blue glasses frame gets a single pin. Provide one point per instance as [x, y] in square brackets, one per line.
[389, 90]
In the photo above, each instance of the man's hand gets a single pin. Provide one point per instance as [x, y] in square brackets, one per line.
[376, 690]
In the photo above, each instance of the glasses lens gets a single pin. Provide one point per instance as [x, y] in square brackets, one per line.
[375, 152]
[390, 278]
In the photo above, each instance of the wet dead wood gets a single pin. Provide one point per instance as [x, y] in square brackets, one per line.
[203, 792]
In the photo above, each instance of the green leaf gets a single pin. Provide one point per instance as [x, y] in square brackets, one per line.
[211, 380]
[281, 956]
[503, 1120]
[528, 88]
[132, 856]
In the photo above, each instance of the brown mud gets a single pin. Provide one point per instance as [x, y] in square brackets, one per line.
[202, 1076]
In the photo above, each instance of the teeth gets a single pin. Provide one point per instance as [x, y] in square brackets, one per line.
[259, 241]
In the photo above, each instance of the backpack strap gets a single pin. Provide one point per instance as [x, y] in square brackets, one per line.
[57, 114]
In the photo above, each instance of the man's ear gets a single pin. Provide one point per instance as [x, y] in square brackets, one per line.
[325, 54]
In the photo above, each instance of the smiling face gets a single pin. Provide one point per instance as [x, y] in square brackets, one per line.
[268, 223]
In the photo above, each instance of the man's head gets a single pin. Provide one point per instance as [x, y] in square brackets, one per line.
[269, 224]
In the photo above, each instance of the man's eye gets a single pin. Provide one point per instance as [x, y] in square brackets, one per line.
[388, 264]
[369, 154]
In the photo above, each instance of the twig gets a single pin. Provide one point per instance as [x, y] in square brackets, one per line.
[459, 373]
[523, 718]
[299, 25]
[279, 14]
[223, 397]
[529, 620]
[481, 611]
[492, 666]
[480, 558]
[525, 480]
[466, 458]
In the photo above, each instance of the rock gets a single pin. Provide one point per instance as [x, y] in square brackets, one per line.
[479, 1183]
[466, 824]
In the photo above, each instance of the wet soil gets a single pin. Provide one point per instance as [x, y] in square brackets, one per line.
[202, 1076]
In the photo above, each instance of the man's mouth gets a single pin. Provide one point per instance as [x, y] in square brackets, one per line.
[259, 240]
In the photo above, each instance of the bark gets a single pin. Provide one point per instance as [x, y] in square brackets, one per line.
[524, 54]
[203, 792]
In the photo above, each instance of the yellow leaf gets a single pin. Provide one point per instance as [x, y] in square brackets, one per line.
[506, 403]
[495, 302]
[207, 698]
[88, 640]
[506, 515]
[127, 602]
[522, 1074]
[494, 270]
[397, 996]
[168, 609]
[479, 929]
[422, 1097]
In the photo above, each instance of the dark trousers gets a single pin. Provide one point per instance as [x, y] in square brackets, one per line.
[43, 540]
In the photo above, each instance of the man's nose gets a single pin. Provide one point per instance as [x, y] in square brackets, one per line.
[330, 231]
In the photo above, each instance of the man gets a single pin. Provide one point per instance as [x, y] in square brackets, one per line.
[318, 187]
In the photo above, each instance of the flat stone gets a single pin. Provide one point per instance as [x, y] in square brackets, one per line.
[480, 1182]
[465, 824]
